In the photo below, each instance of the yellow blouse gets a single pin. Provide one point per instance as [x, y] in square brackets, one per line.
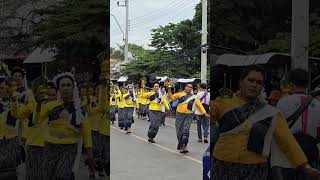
[183, 107]
[120, 101]
[154, 106]
[97, 115]
[39, 129]
[61, 132]
[233, 147]
[23, 121]
[143, 99]
[128, 102]
[6, 132]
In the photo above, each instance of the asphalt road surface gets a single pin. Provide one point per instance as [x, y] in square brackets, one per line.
[83, 173]
[134, 158]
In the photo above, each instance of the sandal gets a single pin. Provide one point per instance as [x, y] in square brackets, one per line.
[184, 151]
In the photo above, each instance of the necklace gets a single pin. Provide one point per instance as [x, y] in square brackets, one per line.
[243, 113]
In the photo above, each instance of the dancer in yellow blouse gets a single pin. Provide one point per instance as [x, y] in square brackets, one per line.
[144, 103]
[67, 126]
[38, 131]
[248, 130]
[97, 111]
[121, 104]
[184, 116]
[24, 96]
[129, 105]
[113, 106]
[158, 105]
[8, 133]
[138, 103]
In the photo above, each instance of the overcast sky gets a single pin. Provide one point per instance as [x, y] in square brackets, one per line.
[145, 15]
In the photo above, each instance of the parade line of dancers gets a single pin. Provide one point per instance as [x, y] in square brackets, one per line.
[154, 102]
[51, 125]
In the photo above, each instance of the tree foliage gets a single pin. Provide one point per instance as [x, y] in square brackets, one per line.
[258, 26]
[253, 26]
[282, 41]
[16, 26]
[247, 24]
[176, 51]
[156, 62]
[78, 28]
[180, 37]
[116, 53]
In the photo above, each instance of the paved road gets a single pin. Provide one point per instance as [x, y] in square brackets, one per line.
[132, 157]
[82, 174]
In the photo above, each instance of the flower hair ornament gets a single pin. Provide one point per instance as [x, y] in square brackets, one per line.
[76, 99]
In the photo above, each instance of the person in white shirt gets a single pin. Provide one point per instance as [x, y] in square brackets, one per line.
[307, 123]
[202, 120]
[164, 95]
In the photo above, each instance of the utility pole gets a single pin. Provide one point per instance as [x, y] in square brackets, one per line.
[300, 34]
[204, 41]
[126, 29]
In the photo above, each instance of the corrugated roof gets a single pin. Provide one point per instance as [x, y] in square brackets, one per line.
[243, 60]
[181, 80]
[40, 56]
[123, 79]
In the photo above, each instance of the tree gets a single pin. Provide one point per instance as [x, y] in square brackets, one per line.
[282, 41]
[156, 62]
[135, 50]
[181, 38]
[252, 26]
[116, 54]
[176, 54]
[16, 26]
[247, 24]
[257, 26]
[78, 28]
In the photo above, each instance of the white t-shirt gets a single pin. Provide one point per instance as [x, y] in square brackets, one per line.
[288, 105]
[205, 100]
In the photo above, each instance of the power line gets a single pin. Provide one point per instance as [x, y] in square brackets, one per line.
[155, 11]
[160, 15]
[171, 14]
[171, 18]
[118, 24]
[135, 29]
[113, 4]
[172, 11]
[114, 1]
